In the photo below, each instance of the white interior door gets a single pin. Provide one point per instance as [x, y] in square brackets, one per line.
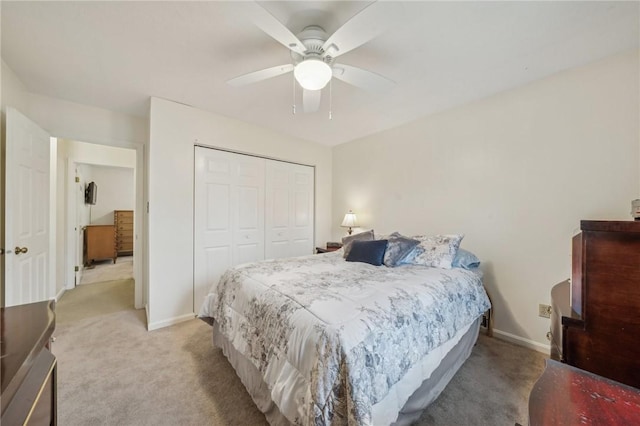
[75, 207]
[302, 210]
[79, 210]
[229, 215]
[27, 211]
[289, 210]
[248, 210]
[278, 211]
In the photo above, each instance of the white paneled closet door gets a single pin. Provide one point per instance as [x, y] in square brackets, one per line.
[289, 210]
[229, 215]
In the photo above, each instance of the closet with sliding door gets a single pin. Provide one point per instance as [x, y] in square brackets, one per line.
[248, 208]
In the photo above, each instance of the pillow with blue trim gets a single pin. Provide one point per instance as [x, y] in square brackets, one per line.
[371, 252]
[465, 259]
[398, 248]
[437, 250]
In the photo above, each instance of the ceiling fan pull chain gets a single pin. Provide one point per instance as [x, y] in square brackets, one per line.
[294, 93]
[330, 99]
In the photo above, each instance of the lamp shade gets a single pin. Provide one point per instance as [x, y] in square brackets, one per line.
[350, 220]
[312, 73]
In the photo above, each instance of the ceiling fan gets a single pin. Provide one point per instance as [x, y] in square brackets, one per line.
[313, 52]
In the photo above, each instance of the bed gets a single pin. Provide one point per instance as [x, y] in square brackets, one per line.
[319, 340]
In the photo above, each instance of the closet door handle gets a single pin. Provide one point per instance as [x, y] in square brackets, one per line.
[19, 250]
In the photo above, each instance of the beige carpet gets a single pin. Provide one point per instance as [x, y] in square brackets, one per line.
[106, 270]
[94, 300]
[111, 371]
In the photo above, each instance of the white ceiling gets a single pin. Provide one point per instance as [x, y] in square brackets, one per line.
[115, 55]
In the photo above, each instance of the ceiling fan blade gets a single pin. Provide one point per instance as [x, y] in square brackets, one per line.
[254, 77]
[362, 78]
[274, 28]
[364, 26]
[311, 100]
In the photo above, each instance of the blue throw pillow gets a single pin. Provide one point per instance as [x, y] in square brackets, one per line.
[465, 259]
[362, 236]
[371, 252]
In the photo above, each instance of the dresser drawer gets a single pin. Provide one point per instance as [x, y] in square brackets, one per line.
[123, 216]
[124, 240]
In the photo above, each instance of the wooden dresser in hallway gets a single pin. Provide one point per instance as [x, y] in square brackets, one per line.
[99, 243]
[123, 221]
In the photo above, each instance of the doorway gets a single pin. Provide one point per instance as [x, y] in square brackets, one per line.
[110, 209]
[116, 173]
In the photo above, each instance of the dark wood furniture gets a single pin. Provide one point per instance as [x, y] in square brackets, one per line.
[320, 250]
[28, 368]
[329, 248]
[566, 395]
[99, 243]
[601, 327]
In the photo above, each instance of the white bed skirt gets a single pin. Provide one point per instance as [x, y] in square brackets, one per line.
[439, 366]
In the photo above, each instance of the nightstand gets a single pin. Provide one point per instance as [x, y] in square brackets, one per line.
[329, 248]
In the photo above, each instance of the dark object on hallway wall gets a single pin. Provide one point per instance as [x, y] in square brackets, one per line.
[91, 193]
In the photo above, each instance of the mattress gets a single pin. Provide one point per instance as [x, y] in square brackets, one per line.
[339, 342]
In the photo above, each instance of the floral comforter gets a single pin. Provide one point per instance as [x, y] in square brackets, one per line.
[331, 338]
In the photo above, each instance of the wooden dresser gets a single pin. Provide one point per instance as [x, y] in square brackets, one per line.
[28, 367]
[566, 395]
[99, 243]
[600, 309]
[123, 221]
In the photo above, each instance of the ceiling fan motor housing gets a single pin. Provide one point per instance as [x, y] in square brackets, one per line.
[313, 38]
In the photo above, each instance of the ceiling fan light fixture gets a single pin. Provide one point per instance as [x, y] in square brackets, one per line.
[312, 73]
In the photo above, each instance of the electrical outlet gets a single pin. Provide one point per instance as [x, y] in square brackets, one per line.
[544, 311]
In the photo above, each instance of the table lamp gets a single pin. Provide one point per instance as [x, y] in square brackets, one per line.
[350, 221]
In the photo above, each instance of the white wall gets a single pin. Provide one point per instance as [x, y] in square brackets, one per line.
[515, 173]
[115, 192]
[83, 171]
[99, 155]
[174, 130]
[74, 121]
[14, 93]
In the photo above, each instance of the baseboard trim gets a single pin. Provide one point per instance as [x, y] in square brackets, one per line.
[60, 293]
[521, 341]
[166, 323]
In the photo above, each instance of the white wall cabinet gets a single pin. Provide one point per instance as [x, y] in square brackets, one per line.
[248, 209]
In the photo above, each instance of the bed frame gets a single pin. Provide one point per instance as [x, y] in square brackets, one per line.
[410, 412]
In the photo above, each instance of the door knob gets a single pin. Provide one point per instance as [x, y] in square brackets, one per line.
[19, 250]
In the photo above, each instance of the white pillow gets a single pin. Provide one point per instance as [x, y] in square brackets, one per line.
[436, 250]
